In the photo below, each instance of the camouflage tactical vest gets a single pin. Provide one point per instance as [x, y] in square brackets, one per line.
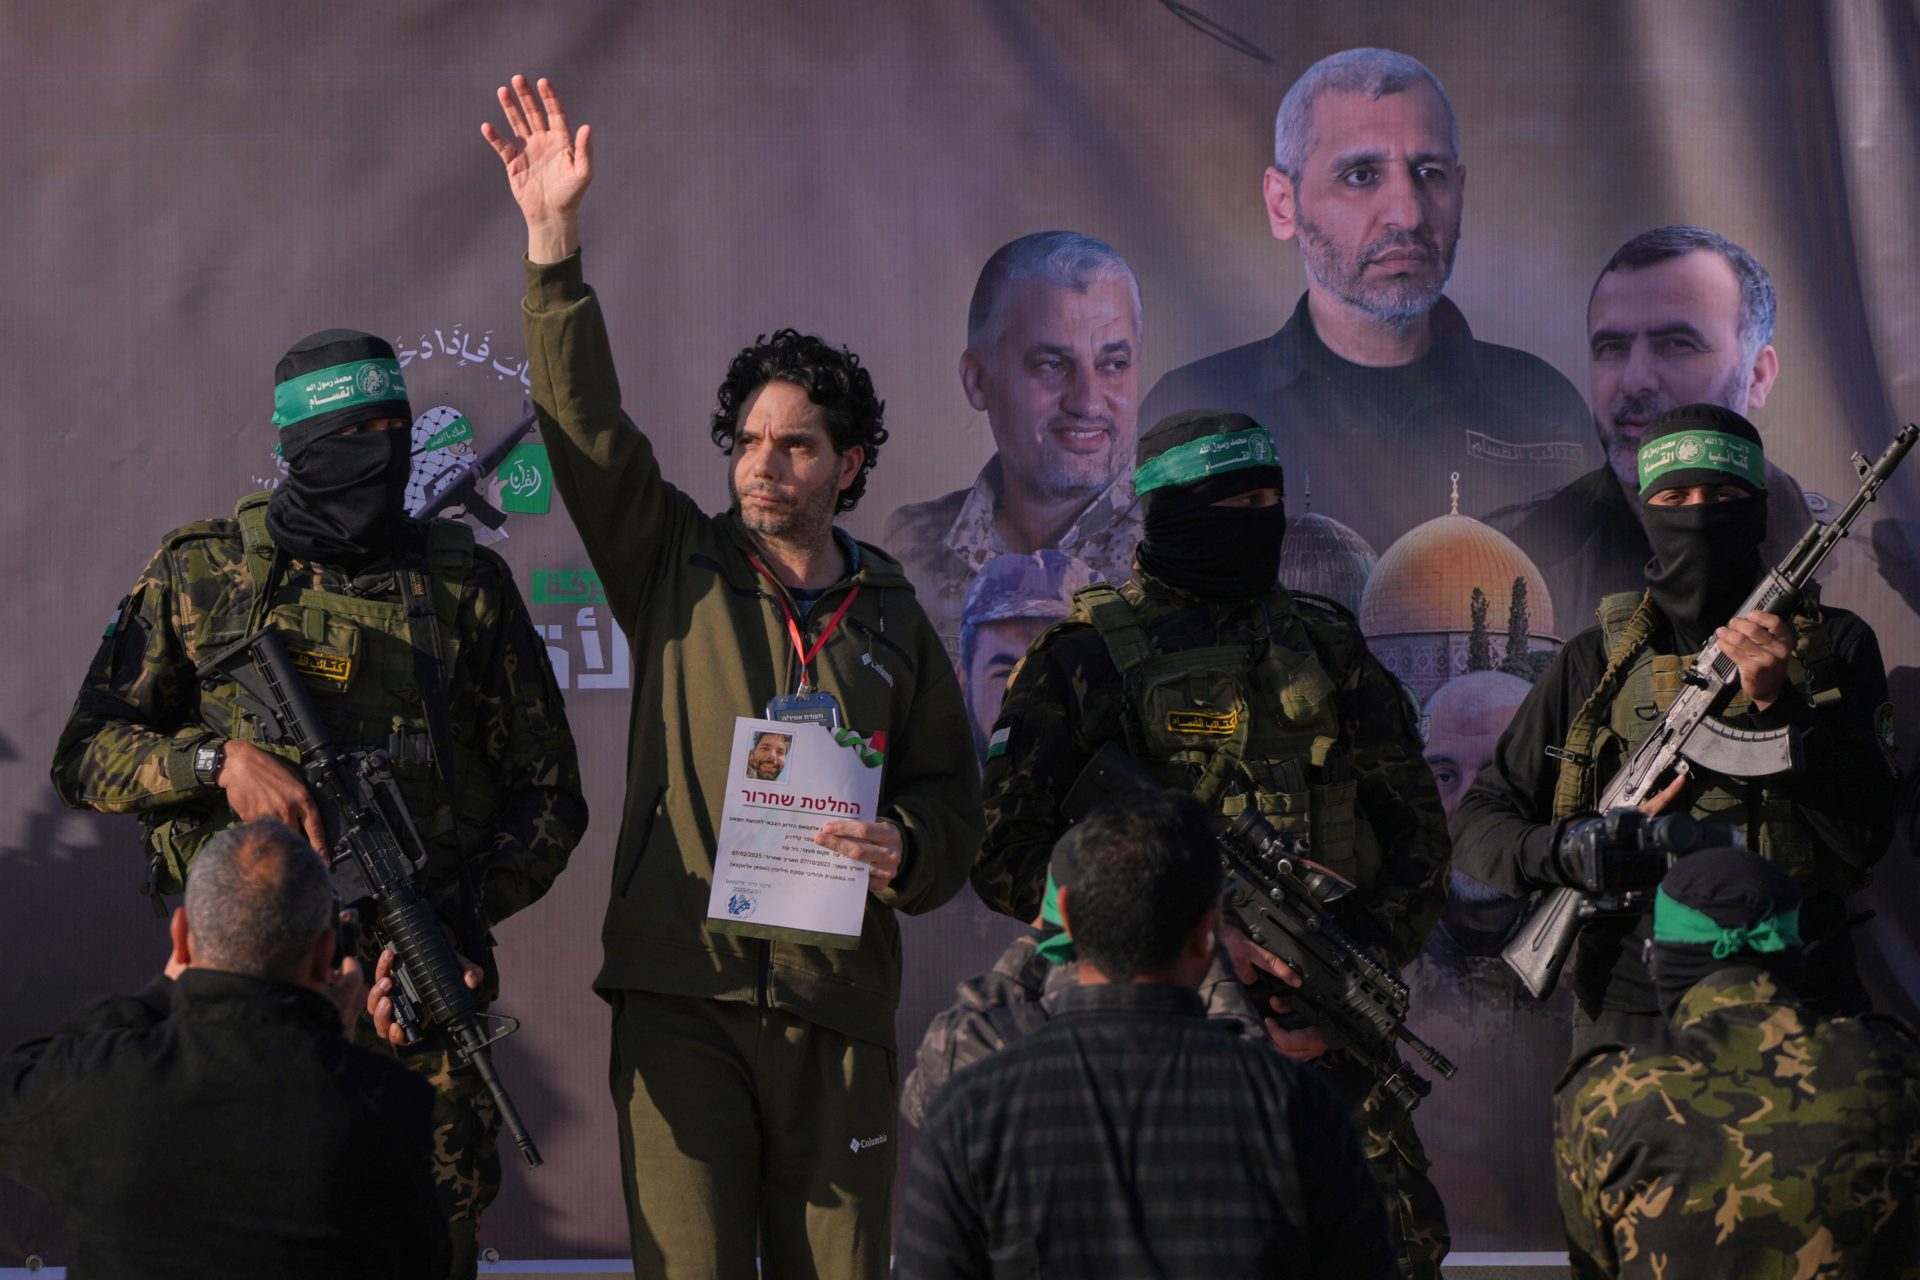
[1636, 689]
[1225, 711]
[357, 659]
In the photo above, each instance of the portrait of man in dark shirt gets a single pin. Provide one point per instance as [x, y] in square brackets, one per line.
[1376, 389]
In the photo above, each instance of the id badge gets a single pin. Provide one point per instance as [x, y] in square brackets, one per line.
[817, 707]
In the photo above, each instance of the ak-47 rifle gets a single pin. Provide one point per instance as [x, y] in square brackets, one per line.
[1689, 738]
[1279, 898]
[376, 851]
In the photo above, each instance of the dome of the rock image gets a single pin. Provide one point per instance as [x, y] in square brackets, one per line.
[1417, 610]
[1321, 555]
[1425, 581]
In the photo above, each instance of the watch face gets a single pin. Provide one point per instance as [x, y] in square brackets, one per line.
[206, 760]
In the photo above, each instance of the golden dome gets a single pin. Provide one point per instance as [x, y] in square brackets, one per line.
[1321, 555]
[1424, 583]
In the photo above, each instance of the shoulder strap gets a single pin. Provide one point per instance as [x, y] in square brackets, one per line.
[264, 561]
[427, 631]
[432, 657]
[1113, 617]
[1623, 645]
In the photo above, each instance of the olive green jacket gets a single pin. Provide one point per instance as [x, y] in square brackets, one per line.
[710, 644]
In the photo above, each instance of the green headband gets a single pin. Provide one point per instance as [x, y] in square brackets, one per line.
[343, 386]
[1057, 948]
[1207, 456]
[1733, 455]
[1676, 922]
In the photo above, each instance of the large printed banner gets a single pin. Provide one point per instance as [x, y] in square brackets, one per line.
[192, 187]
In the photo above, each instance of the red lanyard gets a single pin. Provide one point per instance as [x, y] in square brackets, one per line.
[793, 625]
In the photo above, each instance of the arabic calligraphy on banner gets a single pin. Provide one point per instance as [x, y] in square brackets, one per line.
[459, 347]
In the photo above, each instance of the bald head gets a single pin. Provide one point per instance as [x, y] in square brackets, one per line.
[257, 898]
[1465, 718]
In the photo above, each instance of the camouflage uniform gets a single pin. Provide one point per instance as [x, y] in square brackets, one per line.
[128, 746]
[1068, 699]
[1757, 1140]
[944, 542]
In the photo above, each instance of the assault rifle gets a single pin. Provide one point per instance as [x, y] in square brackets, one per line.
[1279, 899]
[376, 851]
[1689, 738]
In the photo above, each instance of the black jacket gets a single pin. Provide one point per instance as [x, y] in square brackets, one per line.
[1503, 829]
[1377, 446]
[221, 1125]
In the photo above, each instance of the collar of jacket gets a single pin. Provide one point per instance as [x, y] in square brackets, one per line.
[218, 995]
[1297, 343]
[1738, 986]
[872, 567]
[1163, 998]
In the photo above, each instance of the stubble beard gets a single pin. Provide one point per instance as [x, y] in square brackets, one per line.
[1065, 480]
[806, 523]
[1397, 304]
[1623, 455]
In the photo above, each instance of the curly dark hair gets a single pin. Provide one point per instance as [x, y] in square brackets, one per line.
[832, 379]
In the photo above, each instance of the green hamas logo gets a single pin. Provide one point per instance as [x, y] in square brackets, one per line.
[1207, 456]
[340, 386]
[526, 480]
[1730, 455]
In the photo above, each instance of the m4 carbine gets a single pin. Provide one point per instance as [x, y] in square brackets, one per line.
[376, 851]
[1279, 898]
[1689, 738]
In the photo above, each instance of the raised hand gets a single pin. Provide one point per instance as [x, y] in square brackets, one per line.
[548, 168]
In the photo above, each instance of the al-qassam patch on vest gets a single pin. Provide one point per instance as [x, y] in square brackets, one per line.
[333, 669]
[1208, 724]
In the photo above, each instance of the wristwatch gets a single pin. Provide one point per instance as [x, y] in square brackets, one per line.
[208, 759]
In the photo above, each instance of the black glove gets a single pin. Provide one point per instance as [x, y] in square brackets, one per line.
[1623, 850]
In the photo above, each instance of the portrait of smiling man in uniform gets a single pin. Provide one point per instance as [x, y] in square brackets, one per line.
[1376, 389]
[1053, 348]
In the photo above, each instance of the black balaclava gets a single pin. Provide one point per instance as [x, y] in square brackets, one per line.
[1706, 558]
[1186, 464]
[342, 497]
[1719, 908]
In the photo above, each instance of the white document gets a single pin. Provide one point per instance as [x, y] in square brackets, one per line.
[770, 880]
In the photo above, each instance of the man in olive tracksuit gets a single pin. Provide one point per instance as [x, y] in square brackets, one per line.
[755, 1079]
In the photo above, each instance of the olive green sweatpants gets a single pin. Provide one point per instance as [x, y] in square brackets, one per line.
[745, 1130]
